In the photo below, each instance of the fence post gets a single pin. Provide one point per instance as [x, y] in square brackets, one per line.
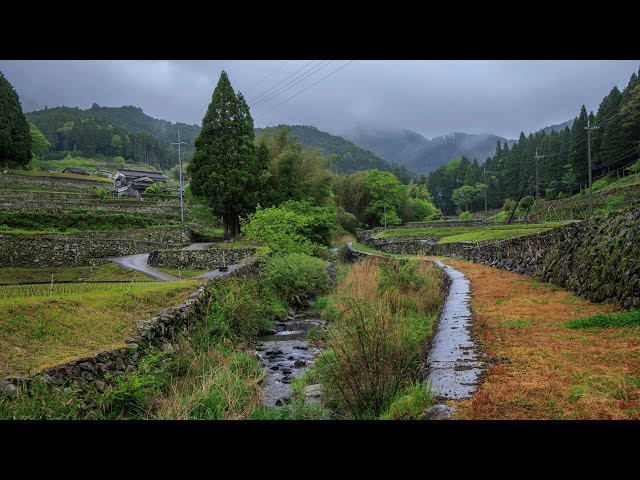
[51, 289]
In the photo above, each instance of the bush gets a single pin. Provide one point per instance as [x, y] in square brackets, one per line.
[508, 205]
[347, 220]
[417, 210]
[369, 359]
[293, 227]
[102, 192]
[297, 276]
[240, 310]
[466, 216]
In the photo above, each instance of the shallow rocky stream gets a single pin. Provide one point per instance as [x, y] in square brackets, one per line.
[286, 354]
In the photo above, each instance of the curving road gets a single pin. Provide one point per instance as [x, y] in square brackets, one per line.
[138, 262]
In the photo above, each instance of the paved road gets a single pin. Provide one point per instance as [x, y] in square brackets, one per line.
[139, 262]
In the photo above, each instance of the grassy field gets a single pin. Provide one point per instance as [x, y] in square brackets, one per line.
[108, 272]
[364, 248]
[36, 332]
[181, 273]
[546, 363]
[470, 234]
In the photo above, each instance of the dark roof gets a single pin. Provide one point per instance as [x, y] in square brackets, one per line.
[139, 173]
[103, 170]
[76, 170]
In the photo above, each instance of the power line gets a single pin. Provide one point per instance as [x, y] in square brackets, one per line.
[305, 89]
[290, 85]
[281, 81]
[265, 77]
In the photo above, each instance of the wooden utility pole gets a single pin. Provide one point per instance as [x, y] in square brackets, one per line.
[179, 144]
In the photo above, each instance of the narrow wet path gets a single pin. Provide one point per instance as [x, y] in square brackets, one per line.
[454, 366]
[286, 354]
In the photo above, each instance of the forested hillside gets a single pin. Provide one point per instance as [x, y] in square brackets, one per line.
[352, 158]
[112, 131]
[563, 158]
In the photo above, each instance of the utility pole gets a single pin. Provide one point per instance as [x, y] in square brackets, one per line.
[439, 190]
[179, 143]
[385, 216]
[589, 128]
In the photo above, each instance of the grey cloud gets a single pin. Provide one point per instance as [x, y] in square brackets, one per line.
[430, 97]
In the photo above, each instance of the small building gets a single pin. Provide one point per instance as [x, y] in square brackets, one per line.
[125, 182]
[76, 171]
[104, 172]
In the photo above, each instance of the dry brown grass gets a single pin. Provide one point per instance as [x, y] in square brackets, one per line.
[538, 368]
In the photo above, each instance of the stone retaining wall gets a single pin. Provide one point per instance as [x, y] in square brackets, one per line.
[84, 248]
[162, 331]
[62, 184]
[207, 259]
[58, 207]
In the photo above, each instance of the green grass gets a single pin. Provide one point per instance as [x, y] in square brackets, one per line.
[181, 273]
[235, 244]
[79, 220]
[470, 233]
[623, 182]
[621, 319]
[519, 323]
[36, 332]
[108, 272]
[364, 248]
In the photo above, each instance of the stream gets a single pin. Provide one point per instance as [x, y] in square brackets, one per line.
[286, 354]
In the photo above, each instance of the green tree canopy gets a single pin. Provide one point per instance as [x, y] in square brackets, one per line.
[15, 136]
[39, 143]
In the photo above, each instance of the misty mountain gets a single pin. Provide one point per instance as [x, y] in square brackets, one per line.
[352, 157]
[420, 154]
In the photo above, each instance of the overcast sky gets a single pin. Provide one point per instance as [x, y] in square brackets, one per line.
[431, 97]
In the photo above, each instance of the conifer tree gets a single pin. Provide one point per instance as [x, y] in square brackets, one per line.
[15, 134]
[226, 166]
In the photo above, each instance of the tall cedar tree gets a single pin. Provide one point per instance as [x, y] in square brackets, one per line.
[226, 166]
[15, 134]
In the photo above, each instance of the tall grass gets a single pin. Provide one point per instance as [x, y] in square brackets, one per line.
[217, 384]
[375, 344]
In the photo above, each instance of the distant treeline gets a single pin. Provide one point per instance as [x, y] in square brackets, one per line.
[105, 131]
